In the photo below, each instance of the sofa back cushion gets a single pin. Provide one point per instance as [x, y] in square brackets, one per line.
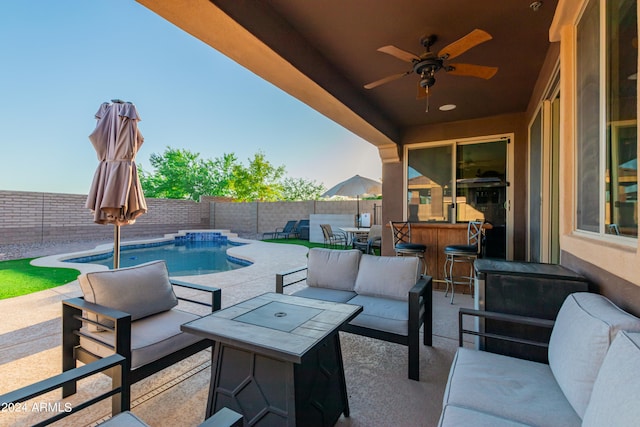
[141, 291]
[387, 276]
[616, 392]
[585, 328]
[328, 268]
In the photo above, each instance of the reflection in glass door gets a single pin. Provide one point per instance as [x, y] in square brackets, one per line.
[475, 172]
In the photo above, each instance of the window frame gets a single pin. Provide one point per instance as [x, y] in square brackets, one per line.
[601, 234]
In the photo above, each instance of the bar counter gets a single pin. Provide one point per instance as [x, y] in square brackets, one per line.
[437, 235]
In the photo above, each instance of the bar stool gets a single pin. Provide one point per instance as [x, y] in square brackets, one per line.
[466, 254]
[402, 243]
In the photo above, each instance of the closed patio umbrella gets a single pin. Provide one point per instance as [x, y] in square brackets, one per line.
[355, 186]
[116, 196]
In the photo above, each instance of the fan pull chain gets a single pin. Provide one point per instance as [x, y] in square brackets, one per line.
[427, 91]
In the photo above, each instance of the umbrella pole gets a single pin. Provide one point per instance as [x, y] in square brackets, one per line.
[116, 247]
[358, 209]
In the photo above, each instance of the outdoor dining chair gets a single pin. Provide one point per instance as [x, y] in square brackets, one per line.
[371, 241]
[333, 238]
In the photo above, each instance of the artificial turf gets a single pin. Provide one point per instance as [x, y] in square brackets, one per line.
[19, 277]
[297, 242]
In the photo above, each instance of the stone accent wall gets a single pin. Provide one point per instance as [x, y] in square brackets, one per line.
[32, 217]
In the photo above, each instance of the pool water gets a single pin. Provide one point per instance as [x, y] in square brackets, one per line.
[183, 258]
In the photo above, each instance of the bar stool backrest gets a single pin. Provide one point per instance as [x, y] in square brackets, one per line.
[475, 235]
[401, 232]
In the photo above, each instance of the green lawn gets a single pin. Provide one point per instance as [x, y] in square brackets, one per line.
[296, 242]
[18, 277]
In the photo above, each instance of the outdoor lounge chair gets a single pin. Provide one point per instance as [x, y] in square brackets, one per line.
[289, 230]
[132, 312]
[303, 229]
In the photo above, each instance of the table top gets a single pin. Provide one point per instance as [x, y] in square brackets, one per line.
[355, 229]
[285, 327]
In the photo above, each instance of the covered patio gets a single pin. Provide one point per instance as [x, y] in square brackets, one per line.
[379, 391]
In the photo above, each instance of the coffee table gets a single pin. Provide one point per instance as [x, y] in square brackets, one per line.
[277, 360]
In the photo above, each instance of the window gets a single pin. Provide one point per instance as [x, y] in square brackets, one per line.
[606, 155]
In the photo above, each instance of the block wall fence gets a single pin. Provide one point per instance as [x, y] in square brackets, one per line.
[33, 217]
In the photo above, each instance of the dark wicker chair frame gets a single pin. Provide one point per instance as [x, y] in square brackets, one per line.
[72, 321]
[420, 312]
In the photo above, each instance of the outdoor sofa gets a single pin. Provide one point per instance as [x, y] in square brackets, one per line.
[592, 379]
[396, 300]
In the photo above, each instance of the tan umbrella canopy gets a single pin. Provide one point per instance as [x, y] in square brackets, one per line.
[116, 196]
[355, 186]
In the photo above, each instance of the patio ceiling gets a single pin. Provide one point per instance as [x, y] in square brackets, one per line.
[323, 52]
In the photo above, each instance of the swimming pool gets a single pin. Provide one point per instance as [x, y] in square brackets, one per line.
[185, 256]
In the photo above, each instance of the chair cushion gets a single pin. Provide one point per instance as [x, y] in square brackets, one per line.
[585, 327]
[141, 291]
[507, 387]
[328, 268]
[326, 294]
[387, 276]
[461, 249]
[151, 338]
[124, 419]
[411, 246]
[382, 314]
[615, 397]
[456, 416]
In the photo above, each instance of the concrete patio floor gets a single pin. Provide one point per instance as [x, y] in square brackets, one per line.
[380, 394]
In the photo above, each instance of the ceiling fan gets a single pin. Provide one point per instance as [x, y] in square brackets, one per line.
[429, 63]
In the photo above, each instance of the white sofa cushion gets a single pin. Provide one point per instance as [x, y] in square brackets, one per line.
[151, 338]
[387, 276]
[507, 387]
[328, 268]
[615, 400]
[383, 314]
[585, 327]
[456, 416]
[325, 294]
[141, 291]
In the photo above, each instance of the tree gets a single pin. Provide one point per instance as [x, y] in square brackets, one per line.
[260, 181]
[301, 189]
[181, 174]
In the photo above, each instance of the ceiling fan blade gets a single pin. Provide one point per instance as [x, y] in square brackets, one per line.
[386, 80]
[399, 53]
[463, 44]
[472, 70]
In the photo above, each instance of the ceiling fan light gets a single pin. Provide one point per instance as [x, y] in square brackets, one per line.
[447, 107]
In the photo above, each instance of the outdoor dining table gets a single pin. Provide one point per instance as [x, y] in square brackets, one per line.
[353, 233]
[277, 360]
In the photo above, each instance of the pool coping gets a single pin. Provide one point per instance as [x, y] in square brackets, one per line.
[61, 260]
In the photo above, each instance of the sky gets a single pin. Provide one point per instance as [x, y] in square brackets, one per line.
[60, 60]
